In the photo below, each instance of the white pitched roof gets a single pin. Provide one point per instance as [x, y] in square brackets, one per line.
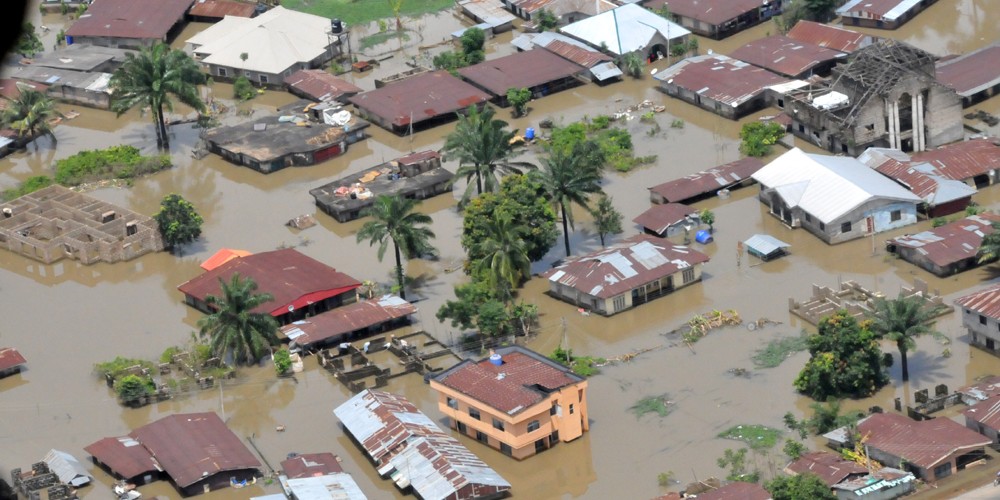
[273, 41]
[827, 187]
[625, 29]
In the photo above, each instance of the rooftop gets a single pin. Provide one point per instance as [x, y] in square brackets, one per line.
[561, 7]
[492, 12]
[952, 242]
[418, 98]
[311, 464]
[825, 186]
[81, 57]
[708, 11]
[336, 486]
[625, 29]
[921, 178]
[658, 218]
[830, 467]
[523, 380]
[10, 357]
[924, 444]
[831, 37]
[986, 412]
[889, 10]
[737, 491]
[983, 389]
[624, 266]
[129, 18]
[221, 257]
[347, 319]
[219, 9]
[53, 77]
[320, 85]
[294, 279]
[970, 73]
[784, 55]
[269, 138]
[720, 78]
[67, 468]
[519, 70]
[708, 181]
[123, 455]
[963, 160]
[985, 302]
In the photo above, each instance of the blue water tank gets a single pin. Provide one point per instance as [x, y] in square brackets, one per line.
[703, 236]
[496, 359]
[69, 40]
[529, 134]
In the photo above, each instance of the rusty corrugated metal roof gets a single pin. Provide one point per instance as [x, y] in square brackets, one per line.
[829, 467]
[658, 218]
[320, 85]
[419, 98]
[784, 55]
[737, 491]
[831, 37]
[193, 446]
[963, 160]
[519, 70]
[139, 19]
[925, 444]
[708, 181]
[624, 266]
[347, 319]
[952, 242]
[986, 412]
[10, 357]
[311, 464]
[578, 55]
[124, 455]
[522, 380]
[720, 78]
[222, 8]
[973, 72]
[712, 12]
[290, 276]
[985, 302]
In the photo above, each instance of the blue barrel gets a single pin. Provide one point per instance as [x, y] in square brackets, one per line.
[703, 237]
[529, 133]
[69, 40]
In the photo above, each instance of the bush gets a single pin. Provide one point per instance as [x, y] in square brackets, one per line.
[282, 361]
[242, 89]
[131, 388]
[758, 137]
[168, 354]
[27, 187]
[117, 366]
[116, 162]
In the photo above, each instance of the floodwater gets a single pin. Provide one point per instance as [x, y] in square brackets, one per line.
[66, 317]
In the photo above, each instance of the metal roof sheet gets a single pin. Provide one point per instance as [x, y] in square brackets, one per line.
[765, 243]
[519, 70]
[923, 179]
[986, 412]
[827, 187]
[140, 19]
[886, 10]
[221, 8]
[736, 491]
[605, 71]
[346, 319]
[963, 160]
[67, 468]
[123, 455]
[720, 78]
[624, 29]
[659, 218]
[971, 73]
[831, 37]
[419, 98]
[336, 486]
[985, 302]
[623, 266]
[831, 468]
[714, 12]
[784, 55]
[491, 12]
[925, 444]
[321, 86]
[708, 181]
[9, 358]
[311, 464]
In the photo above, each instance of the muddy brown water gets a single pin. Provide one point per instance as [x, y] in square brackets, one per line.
[66, 317]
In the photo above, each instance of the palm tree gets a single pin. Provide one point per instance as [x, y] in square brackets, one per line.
[235, 327]
[394, 219]
[150, 77]
[505, 263]
[902, 320]
[483, 148]
[989, 249]
[29, 115]
[568, 178]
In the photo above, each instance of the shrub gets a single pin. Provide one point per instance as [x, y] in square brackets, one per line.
[168, 354]
[131, 388]
[758, 137]
[116, 162]
[29, 186]
[117, 366]
[282, 361]
[242, 89]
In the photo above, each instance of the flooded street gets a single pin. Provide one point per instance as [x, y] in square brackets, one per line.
[66, 317]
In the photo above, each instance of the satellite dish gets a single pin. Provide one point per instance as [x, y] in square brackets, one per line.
[291, 307]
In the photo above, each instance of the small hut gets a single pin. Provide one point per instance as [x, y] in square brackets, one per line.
[766, 247]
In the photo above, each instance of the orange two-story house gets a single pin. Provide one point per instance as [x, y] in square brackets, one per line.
[516, 400]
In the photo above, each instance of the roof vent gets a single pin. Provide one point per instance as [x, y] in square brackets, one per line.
[495, 358]
[500, 376]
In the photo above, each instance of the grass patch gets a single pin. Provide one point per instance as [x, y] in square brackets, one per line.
[116, 162]
[27, 187]
[659, 405]
[382, 37]
[365, 11]
[759, 437]
[778, 350]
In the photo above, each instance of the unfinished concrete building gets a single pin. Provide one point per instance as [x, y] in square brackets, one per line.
[886, 95]
[55, 222]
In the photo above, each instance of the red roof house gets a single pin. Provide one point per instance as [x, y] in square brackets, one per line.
[831, 37]
[196, 450]
[128, 23]
[221, 257]
[419, 100]
[721, 84]
[320, 86]
[737, 491]
[299, 284]
[949, 249]
[311, 465]
[214, 10]
[361, 319]
[789, 57]
[931, 449]
[625, 274]
[984, 418]
[976, 160]
[11, 361]
[667, 219]
[974, 76]
[829, 467]
[981, 317]
[718, 18]
[540, 71]
[708, 182]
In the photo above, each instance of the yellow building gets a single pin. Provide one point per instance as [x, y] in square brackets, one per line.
[516, 401]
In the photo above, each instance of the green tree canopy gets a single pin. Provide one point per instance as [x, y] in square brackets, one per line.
[28, 44]
[131, 388]
[568, 178]
[482, 146]
[902, 320]
[29, 115]
[989, 249]
[520, 198]
[546, 20]
[519, 99]
[758, 137]
[633, 64]
[394, 219]
[607, 218]
[150, 77]
[178, 221]
[845, 361]
[503, 262]
[236, 327]
[799, 487]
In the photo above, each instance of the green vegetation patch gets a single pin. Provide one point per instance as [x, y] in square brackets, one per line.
[382, 37]
[759, 437]
[355, 12]
[584, 366]
[116, 162]
[778, 350]
[660, 405]
[119, 365]
[27, 187]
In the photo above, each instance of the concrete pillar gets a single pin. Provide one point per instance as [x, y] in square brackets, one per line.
[915, 121]
[895, 124]
[920, 118]
[889, 125]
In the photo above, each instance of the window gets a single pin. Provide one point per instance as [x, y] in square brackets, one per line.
[497, 424]
[571, 408]
[802, 128]
[452, 404]
[943, 470]
[474, 413]
[688, 275]
[809, 218]
[619, 303]
[781, 103]
[263, 78]
[822, 227]
[481, 437]
[556, 410]
[895, 215]
[222, 72]
[982, 319]
[506, 449]
[533, 426]
[845, 227]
